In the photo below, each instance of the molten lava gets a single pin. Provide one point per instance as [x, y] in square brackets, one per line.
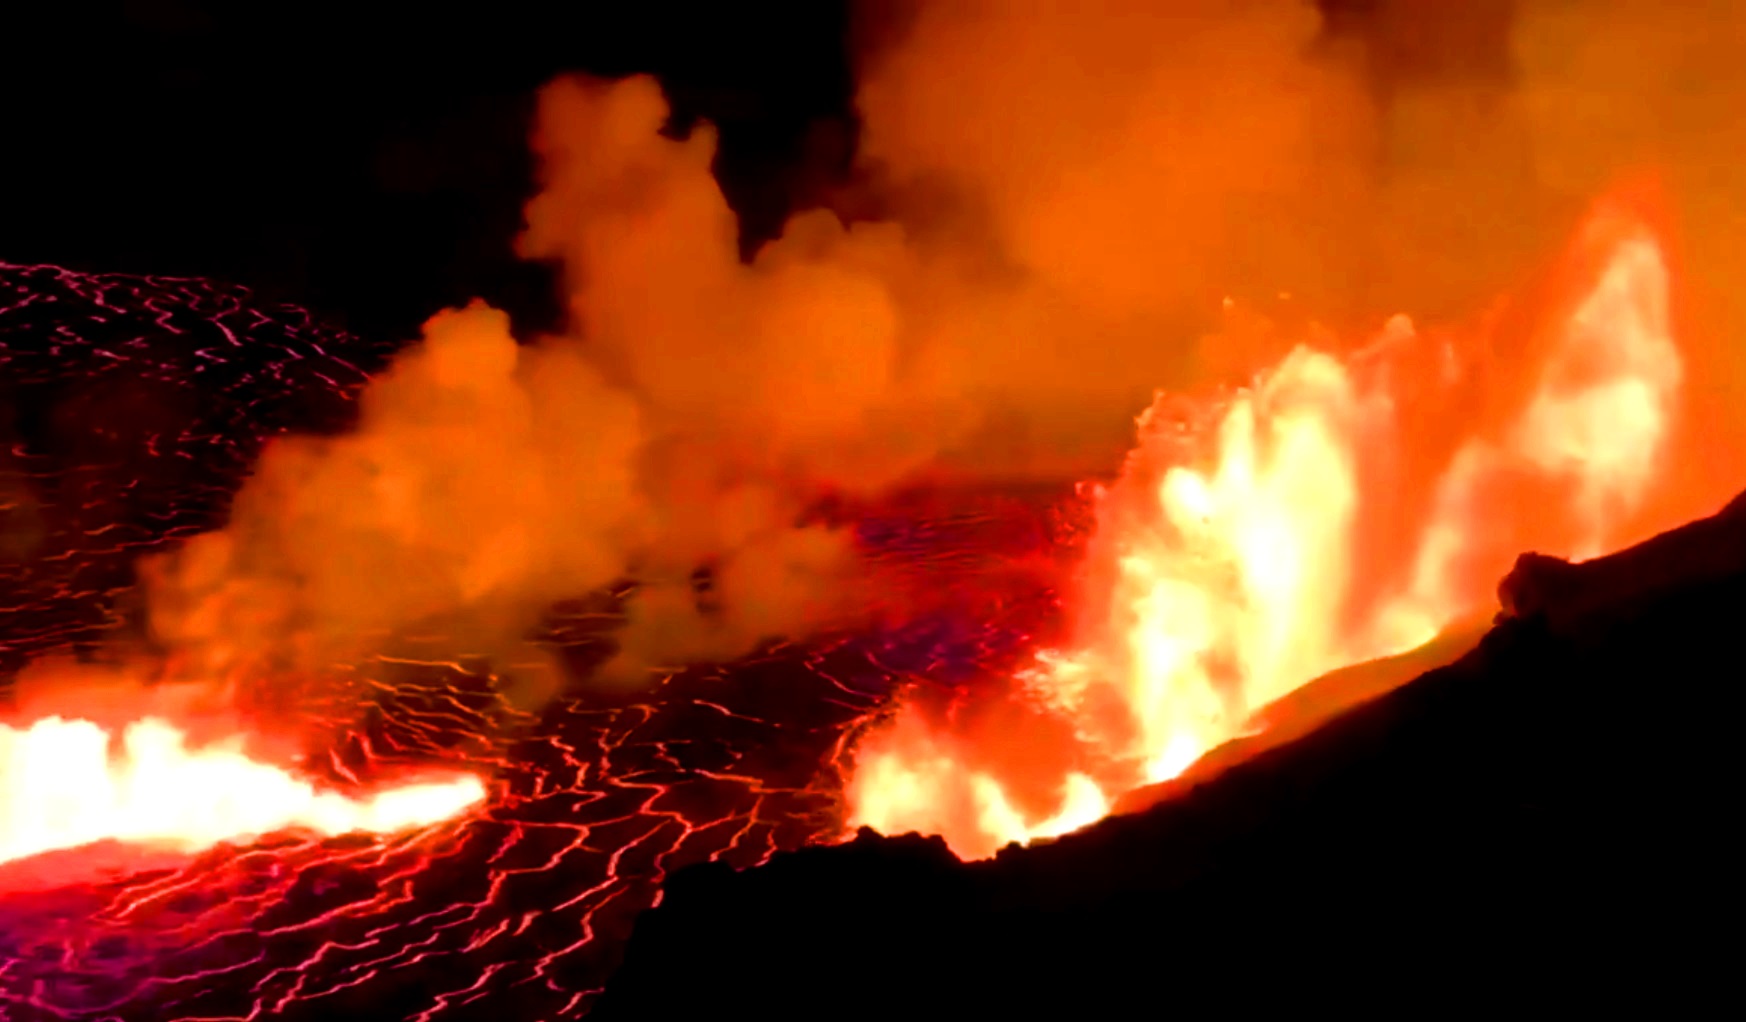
[62, 786]
[1255, 544]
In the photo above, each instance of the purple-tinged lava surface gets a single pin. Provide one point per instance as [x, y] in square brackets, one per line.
[136, 404]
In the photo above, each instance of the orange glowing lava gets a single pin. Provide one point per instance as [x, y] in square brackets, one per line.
[64, 783]
[1348, 506]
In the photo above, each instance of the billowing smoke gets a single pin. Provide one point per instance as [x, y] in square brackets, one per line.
[484, 480]
[1130, 164]
[1070, 192]
[702, 407]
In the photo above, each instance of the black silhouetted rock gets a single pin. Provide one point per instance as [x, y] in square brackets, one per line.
[1568, 597]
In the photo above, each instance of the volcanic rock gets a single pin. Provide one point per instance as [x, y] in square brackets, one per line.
[1541, 823]
[1570, 598]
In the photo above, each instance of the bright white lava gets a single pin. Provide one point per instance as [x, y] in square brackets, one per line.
[62, 785]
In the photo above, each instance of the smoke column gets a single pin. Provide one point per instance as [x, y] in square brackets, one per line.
[1070, 195]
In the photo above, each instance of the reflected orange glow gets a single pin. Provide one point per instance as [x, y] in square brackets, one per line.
[65, 783]
[1348, 506]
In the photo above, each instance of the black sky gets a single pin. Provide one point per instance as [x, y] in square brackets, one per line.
[370, 160]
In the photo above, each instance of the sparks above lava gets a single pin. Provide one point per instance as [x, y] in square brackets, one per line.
[61, 787]
[1258, 543]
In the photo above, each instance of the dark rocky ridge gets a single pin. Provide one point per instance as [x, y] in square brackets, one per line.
[1541, 823]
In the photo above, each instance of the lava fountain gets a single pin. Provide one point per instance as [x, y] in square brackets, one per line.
[1254, 543]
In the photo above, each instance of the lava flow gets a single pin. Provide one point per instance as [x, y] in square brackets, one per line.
[1247, 547]
[61, 787]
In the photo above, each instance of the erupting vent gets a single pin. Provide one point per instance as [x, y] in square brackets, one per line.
[1352, 505]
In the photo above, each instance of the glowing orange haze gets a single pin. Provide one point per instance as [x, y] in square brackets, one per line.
[62, 785]
[1238, 556]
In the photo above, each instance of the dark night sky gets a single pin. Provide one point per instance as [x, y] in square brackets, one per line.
[370, 160]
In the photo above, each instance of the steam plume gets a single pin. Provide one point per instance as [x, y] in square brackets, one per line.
[1073, 189]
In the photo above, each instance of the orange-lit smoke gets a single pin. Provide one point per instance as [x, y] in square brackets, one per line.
[1072, 192]
[698, 410]
[1112, 171]
[482, 477]
[694, 412]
